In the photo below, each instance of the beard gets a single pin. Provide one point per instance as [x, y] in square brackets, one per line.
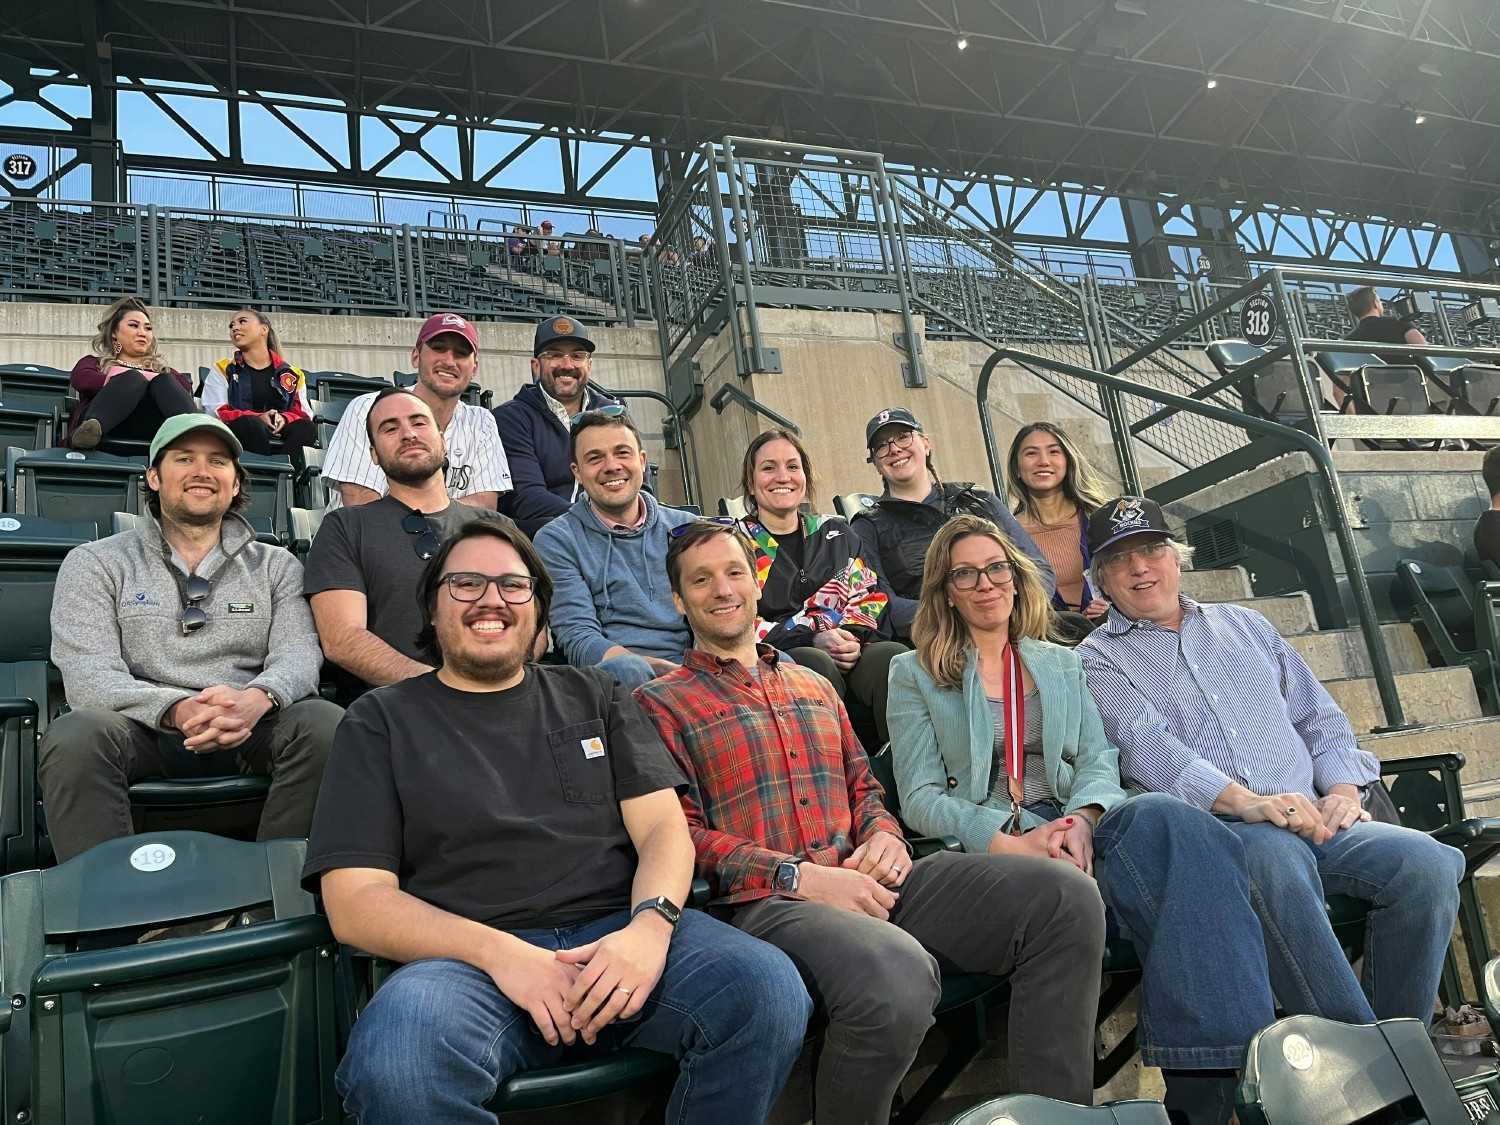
[491, 668]
[403, 471]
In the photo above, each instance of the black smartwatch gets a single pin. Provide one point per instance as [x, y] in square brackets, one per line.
[663, 906]
[788, 877]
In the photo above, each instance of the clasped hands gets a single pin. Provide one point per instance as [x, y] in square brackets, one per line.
[218, 718]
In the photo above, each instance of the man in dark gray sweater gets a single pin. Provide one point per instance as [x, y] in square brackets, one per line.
[186, 650]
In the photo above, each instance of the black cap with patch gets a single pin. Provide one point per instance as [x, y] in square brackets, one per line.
[895, 416]
[1123, 517]
[557, 328]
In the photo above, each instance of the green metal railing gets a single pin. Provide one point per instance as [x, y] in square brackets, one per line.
[1315, 448]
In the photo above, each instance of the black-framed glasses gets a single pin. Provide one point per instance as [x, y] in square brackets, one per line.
[967, 577]
[609, 410]
[426, 543]
[193, 616]
[470, 586]
[895, 442]
[683, 528]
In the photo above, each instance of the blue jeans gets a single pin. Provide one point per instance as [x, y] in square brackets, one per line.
[438, 1037]
[630, 669]
[1174, 880]
[1411, 883]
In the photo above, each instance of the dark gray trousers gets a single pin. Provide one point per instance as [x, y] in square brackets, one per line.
[88, 759]
[1040, 920]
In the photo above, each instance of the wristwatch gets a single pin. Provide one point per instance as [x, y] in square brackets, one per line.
[663, 906]
[274, 698]
[788, 877]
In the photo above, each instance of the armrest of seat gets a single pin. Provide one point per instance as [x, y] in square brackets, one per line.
[1450, 762]
[698, 894]
[1478, 838]
[923, 846]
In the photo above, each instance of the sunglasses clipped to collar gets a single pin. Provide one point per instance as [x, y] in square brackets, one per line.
[193, 615]
[426, 544]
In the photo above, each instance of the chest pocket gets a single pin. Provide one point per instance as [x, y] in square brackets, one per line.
[581, 756]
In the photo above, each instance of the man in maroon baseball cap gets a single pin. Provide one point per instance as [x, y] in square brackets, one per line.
[439, 323]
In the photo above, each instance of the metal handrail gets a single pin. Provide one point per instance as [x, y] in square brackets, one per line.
[730, 391]
[677, 425]
[1369, 624]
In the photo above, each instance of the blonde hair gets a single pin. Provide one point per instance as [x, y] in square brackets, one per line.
[105, 348]
[939, 632]
[1081, 483]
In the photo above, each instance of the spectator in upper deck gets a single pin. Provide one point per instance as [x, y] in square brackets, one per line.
[1374, 326]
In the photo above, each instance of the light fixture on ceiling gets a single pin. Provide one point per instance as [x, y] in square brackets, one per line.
[1419, 118]
[963, 43]
[1212, 83]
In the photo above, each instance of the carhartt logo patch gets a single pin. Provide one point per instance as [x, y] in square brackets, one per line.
[592, 747]
[241, 607]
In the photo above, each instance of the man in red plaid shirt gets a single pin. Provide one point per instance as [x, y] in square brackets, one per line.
[790, 829]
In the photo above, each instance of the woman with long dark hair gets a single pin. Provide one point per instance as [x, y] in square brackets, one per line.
[1055, 490]
[996, 740]
[125, 389]
[256, 393]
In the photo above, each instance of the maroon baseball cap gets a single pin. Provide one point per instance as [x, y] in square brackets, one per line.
[438, 323]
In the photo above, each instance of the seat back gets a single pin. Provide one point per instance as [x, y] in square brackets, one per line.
[73, 487]
[1304, 1070]
[1393, 389]
[31, 550]
[850, 504]
[28, 427]
[1273, 391]
[270, 506]
[1032, 1109]
[37, 387]
[305, 524]
[341, 386]
[1226, 355]
[733, 506]
[241, 1020]
[1443, 597]
[1479, 385]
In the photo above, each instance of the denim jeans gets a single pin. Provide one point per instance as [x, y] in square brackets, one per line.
[1411, 883]
[1175, 882]
[630, 669]
[438, 1037]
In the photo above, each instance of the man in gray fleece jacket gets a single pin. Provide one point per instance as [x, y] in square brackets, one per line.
[186, 650]
[607, 556]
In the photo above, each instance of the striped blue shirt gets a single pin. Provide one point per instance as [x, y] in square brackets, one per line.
[1225, 699]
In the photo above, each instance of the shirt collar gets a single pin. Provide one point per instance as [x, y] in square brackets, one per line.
[699, 661]
[640, 519]
[1116, 622]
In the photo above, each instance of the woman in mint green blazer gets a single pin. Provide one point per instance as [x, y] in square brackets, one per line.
[1172, 876]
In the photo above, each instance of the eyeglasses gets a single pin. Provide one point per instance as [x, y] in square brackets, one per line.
[552, 356]
[967, 577]
[1151, 552]
[610, 410]
[193, 617]
[891, 444]
[683, 528]
[427, 543]
[470, 586]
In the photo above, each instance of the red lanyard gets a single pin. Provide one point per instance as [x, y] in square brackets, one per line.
[1015, 734]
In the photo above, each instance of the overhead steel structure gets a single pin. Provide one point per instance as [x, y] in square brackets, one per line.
[1210, 111]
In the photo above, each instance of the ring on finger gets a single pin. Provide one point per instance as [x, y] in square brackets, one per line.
[1291, 810]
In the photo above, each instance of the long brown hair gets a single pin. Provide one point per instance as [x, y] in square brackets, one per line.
[105, 348]
[273, 343]
[1081, 483]
[747, 468]
[939, 633]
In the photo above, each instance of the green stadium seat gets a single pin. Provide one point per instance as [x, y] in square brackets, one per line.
[73, 487]
[230, 1026]
[37, 387]
[851, 504]
[1461, 618]
[29, 427]
[271, 481]
[1304, 1070]
[31, 550]
[733, 506]
[329, 387]
[308, 489]
[1031, 1109]
[305, 524]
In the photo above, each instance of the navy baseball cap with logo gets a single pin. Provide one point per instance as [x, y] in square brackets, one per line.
[558, 328]
[895, 416]
[1123, 517]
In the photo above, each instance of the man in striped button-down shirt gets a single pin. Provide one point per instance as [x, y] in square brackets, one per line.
[1209, 702]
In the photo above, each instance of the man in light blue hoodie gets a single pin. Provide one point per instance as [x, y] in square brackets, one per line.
[607, 556]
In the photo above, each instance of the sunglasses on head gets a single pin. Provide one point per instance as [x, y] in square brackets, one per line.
[683, 528]
[613, 410]
[427, 544]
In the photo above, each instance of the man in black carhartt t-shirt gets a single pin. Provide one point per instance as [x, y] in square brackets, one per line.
[512, 834]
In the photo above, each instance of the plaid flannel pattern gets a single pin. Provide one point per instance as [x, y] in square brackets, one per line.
[774, 770]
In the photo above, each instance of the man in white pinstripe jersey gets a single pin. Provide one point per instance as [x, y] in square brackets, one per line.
[1211, 704]
[446, 357]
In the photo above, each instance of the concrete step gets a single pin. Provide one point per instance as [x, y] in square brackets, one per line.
[1217, 585]
[1478, 740]
[1437, 695]
[1482, 798]
[1340, 653]
[1289, 613]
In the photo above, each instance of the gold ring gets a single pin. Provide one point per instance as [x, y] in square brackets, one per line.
[1291, 810]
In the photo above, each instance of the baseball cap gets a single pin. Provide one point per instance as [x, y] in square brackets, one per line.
[895, 416]
[556, 328]
[179, 424]
[438, 323]
[1123, 517]
[546, 224]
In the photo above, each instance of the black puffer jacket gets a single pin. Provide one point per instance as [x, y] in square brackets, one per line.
[894, 536]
